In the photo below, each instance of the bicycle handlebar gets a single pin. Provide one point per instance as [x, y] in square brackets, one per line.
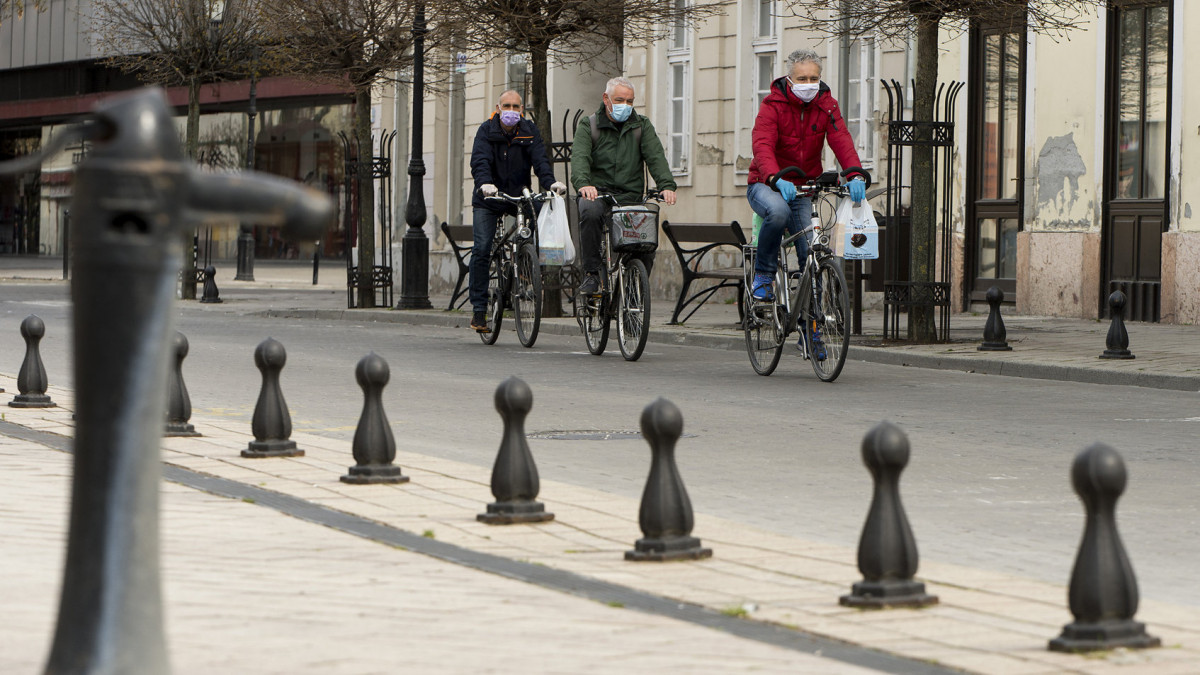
[526, 196]
[652, 194]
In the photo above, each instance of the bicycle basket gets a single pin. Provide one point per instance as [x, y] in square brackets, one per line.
[634, 228]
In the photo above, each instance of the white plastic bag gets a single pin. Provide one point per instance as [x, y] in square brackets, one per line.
[554, 234]
[857, 230]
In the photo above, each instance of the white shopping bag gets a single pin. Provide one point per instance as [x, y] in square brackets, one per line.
[554, 234]
[858, 230]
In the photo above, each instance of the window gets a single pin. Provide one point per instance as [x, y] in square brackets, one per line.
[858, 95]
[765, 65]
[766, 18]
[678, 111]
[1143, 45]
[680, 31]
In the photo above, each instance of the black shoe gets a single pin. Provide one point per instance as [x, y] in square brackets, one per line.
[590, 285]
[479, 322]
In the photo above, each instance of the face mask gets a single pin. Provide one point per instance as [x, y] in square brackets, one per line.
[806, 92]
[509, 117]
[621, 111]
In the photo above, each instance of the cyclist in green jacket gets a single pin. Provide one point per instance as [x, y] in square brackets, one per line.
[624, 142]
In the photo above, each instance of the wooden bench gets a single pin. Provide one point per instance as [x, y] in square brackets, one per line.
[454, 235]
[710, 236]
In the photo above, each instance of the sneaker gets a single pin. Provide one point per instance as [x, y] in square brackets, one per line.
[479, 322]
[761, 288]
[818, 346]
[590, 285]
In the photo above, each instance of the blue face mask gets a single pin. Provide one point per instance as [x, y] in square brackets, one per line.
[509, 117]
[621, 111]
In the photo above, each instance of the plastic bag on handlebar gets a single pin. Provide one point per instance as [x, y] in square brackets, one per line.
[856, 231]
[554, 234]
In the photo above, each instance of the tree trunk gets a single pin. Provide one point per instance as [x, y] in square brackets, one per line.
[192, 138]
[366, 196]
[551, 274]
[923, 244]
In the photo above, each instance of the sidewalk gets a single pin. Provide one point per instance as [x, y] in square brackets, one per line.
[282, 595]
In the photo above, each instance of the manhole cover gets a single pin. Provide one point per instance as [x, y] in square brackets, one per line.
[586, 435]
[590, 435]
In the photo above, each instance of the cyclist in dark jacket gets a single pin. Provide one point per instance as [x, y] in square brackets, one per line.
[507, 147]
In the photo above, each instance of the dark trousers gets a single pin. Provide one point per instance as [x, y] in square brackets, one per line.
[484, 228]
[592, 215]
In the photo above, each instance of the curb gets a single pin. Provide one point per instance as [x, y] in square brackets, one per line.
[1040, 370]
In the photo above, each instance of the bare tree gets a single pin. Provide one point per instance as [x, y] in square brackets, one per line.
[179, 42]
[924, 19]
[361, 43]
[571, 31]
[18, 7]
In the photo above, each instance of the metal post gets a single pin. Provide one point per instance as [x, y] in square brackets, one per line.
[414, 247]
[245, 242]
[66, 246]
[130, 195]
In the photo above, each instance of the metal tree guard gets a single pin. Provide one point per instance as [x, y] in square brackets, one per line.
[379, 278]
[900, 292]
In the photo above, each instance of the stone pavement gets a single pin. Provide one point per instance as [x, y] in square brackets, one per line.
[249, 590]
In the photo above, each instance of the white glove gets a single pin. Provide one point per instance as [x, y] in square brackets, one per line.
[488, 190]
[559, 188]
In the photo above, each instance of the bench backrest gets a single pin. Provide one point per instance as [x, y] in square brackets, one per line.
[710, 233]
[458, 232]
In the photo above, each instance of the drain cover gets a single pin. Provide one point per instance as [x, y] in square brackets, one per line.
[586, 435]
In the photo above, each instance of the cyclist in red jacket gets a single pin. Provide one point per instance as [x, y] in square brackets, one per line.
[794, 122]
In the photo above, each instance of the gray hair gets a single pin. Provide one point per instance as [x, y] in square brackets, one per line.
[617, 82]
[506, 92]
[802, 56]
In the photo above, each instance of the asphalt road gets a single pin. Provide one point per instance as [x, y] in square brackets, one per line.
[987, 485]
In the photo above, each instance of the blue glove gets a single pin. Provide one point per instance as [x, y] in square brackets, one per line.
[858, 190]
[786, 189]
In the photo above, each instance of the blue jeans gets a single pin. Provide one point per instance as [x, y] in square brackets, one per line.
[778, 216]
[484, 227]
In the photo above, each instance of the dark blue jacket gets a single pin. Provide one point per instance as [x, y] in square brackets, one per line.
[505, 161]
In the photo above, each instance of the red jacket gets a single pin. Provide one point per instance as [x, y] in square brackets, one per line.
[790, 132]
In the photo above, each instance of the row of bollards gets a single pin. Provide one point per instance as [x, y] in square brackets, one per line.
[1103, 595]
[1116, 343]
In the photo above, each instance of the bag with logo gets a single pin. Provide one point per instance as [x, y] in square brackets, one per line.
[634, 228]
[858, 230]
[554, 234]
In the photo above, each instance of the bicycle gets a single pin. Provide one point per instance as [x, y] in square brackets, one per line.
[514, 273]
[629, 304]
[812, 299]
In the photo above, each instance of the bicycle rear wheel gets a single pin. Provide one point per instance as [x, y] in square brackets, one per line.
[826, 331]
[764, 339]
[496, 292]
[527, 295]
[593, 320]
[633, 313]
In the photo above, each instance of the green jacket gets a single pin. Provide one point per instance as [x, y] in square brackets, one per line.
[614, 165]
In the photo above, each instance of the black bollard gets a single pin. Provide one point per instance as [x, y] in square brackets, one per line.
[272, 423]
[995, 337]
[374, 446]
[665, 515]
[211, 293]
[887, 550]
[1103, 595]
[1117, 342]
[31, 379]
[514, 475]
[179, 404]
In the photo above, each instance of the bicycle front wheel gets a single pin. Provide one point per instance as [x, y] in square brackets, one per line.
[826, 331]
[633, 317]
[496, 291]
[527, 295]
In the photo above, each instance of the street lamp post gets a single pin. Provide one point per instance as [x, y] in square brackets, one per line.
[245, 242]
[414, 247]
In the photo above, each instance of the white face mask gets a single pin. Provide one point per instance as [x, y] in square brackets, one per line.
[806, 91]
